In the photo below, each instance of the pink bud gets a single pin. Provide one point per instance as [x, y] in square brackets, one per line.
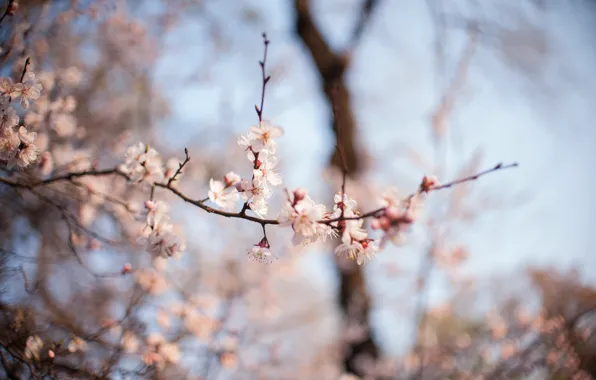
[94, 244]
[149, 205]
[375, 224]
[126, 268]
[384, 223]
[263, 243]
[392, 212]
[299, 194]
[51, 354]
[428, 183]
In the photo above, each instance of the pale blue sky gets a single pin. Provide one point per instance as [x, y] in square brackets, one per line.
[541, 118]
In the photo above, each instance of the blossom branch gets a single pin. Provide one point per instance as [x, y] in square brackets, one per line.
[242, 213]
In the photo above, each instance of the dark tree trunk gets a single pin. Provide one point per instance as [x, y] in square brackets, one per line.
[354, 299]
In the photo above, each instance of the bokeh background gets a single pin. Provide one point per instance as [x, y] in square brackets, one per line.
[445, 88]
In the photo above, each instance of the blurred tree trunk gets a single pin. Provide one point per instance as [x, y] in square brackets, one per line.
[354, 299]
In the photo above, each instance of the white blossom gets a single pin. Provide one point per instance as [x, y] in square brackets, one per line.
[77, 344]
[6, 86]
[157, 211]
[303, 214]
[262, 137]
[33, 346]
[8, 118]
[222, 196]
[143, 164]
[362, 251]
[29, 89]
[232, 179]
[162, 242]
[265, 172]
[26, 152]
[260, 252]
[343, 202]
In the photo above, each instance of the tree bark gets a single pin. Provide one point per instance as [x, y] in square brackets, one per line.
[354, 299]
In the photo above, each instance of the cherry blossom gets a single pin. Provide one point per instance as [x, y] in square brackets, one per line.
[29, 89]
[303, 214]
[222, 195]
[262, 136]
[260, 251]
[33, 346]
[264, 173]
[26, 152]
[143, 164]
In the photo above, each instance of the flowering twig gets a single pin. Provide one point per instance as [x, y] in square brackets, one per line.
[242, 215]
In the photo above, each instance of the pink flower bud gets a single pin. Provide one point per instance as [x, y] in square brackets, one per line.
[149, 205]
[392, 212]
[94, 244]
[299, 194]
[384, 223]
[126, 268]
[263, 243]
[51, 354]
[375, 224]
[428, 183]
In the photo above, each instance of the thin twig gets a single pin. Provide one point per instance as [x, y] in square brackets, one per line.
[27, 62]
[7, 12]
[180, 167]
[265, 78]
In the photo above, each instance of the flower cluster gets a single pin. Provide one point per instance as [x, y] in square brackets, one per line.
[28, 89]
[303, 214]
[261, 147]
[311, 222]
[397, 216]
[355, 243]
[17, 144]
[158, 236]
[143, 164]
[160, 352]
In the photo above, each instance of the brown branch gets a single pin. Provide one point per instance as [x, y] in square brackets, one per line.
[265, 78]
[27, 62]
[238, 215]
[180, 167]
[10, 9]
